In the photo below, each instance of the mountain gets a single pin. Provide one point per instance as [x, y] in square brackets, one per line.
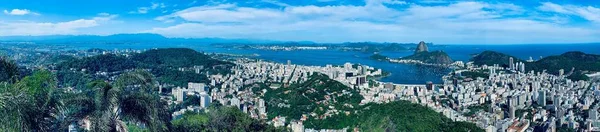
[422, 54]
[421, 47]
[434, 57]
[176, 57]
[88, 38]
[491, 57]
[128, 38]
[319, 96]
[164, 64]
[578, 62]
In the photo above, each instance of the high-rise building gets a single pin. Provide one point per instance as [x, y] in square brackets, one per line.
[511, 112]
[179, 94]
[361, 80]
[509, 101]
[593, 114]
[542, 97]
[522, 67]
[429, 85]
[347, 65]
[363, 70]
[561, 72]
[510, 63]
[205, 100]
[557, 101]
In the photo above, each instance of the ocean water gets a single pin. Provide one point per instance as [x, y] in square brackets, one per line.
[400, 73]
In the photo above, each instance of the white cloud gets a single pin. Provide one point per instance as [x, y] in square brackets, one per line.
[16, 28]
[326, 0]
[20, 12]
[589, 13]
[144, 10]
[192, 3]
[103, 17]
[473, 22]
[275, 2]
[394, 2]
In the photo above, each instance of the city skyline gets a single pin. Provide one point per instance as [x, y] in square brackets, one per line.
[323, 21]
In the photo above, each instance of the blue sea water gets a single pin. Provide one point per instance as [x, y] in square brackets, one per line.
[400, 73]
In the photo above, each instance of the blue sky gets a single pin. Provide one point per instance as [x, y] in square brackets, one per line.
[437, 21]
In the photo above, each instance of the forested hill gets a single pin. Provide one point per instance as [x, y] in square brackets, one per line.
[434, 57]
[580, 62]
[176, 57]
[335, 106]
[163, 63]
[492, 57]
[568, 60]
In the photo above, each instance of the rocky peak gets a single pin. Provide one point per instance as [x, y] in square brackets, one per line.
[422, 47]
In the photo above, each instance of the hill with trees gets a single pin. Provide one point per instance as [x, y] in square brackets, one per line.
[578, 62]
[328, 104]
[175, 57]
[379, 57]
[434, 57]
[492, 57]
[164, 63]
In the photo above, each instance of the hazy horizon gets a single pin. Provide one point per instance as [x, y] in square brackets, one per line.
[322, 21]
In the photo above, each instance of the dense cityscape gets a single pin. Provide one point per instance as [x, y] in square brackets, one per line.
[299, 66]
[292, 97]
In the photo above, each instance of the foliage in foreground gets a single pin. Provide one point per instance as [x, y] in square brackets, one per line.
[35, 104]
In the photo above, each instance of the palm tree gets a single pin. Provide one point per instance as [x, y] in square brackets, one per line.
[133, 98]
[29, 104]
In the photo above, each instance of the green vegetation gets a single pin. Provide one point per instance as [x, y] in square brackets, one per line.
[8, 70]
[394, 116]
[379, 57]
[164, 63]
[220, 119]
[106, 63]
[474, 74]
[434, 57]
[310, 97]
[178, 78]
[298, 99]
[580, 62]
[29, 103]
[35, 104]
[73, 78]
[491, 57]
[131, 102]
[578, 75]
[473, 109]
[175, 57]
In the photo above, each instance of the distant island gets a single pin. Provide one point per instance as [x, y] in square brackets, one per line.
[379, 57]
[574, 64]
[421, 56]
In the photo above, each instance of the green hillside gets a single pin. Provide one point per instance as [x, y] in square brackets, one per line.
[434, 57]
